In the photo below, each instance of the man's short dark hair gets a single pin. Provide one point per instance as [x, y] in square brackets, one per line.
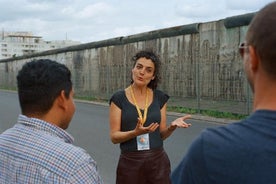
[39, 82]
[262, 36]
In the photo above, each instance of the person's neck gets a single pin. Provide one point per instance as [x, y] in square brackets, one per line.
[52, 117]
[265, 100]
[139, 90]
[264, 95]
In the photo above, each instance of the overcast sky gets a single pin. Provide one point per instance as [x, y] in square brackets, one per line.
[94, 20]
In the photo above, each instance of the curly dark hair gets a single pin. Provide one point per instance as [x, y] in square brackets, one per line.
[157, 64]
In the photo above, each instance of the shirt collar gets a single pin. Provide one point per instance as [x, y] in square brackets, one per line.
[39, 124]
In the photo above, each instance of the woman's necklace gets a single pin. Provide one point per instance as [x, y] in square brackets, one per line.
[142, 118]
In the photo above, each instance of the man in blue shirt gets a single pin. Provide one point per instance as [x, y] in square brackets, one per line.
[38, 149]
[242, 152]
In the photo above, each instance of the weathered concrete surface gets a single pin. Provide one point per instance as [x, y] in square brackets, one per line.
[199, 62]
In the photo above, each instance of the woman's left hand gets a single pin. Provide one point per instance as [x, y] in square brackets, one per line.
[180, 123]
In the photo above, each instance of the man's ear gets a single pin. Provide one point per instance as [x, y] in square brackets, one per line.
[61, 100]
[254, 59]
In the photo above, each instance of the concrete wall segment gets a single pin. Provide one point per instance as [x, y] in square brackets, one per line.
[199, 62]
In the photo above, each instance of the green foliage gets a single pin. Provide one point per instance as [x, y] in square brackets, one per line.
[211, 113]
[181, 109]
[9, 88]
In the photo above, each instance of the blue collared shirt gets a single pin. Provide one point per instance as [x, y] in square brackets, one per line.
[34, 151]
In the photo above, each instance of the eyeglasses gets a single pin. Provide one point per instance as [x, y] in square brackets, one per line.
[243, 47]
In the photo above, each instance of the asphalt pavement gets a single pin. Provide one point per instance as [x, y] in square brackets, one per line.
[90, 128]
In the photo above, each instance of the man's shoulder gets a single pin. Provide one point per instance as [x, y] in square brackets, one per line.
[44, 150]
[63, 153]
[224, 131]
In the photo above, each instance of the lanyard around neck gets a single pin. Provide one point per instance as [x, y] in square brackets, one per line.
[142, 118]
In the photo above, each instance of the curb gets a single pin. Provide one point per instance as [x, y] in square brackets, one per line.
[204, 118]
[194, 116]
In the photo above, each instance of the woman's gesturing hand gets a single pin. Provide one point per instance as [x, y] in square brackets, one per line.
[140, 129]
[180, 123]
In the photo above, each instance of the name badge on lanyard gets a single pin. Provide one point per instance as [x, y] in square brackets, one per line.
[143, 142]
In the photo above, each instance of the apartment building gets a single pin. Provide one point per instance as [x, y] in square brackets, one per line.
[14, 44]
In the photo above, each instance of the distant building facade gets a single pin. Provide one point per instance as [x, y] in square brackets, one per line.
[14, 44]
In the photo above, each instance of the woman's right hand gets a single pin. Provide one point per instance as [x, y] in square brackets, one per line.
[140, 129]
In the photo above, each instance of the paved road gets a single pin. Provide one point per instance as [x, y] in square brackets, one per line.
[90, 128]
